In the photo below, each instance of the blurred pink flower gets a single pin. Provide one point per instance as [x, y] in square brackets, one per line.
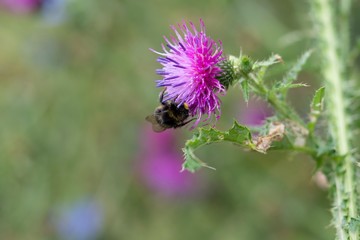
[54, 11]
[162, 174]
[152, 143]
[254, 113]
[20, 6]
[159, 165]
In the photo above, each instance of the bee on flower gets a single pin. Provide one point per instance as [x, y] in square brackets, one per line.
[190, 67]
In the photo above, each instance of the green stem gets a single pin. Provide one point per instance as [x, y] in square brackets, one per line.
[333, 70]
[345, 6]
[281, 107]
[307, 150]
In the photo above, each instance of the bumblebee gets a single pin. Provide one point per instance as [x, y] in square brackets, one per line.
[168, 115]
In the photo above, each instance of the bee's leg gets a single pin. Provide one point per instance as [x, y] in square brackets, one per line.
[162, 96]
[184, 123]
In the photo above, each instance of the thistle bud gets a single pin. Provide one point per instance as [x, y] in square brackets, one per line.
[227, 74]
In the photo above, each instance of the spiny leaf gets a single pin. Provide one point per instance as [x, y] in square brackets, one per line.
[238, 134]
[273, 59]
[283, 86]
[296, 85]
[291, 76]
[316, 107]
[354, 224]
[260, 68]
[245, 89]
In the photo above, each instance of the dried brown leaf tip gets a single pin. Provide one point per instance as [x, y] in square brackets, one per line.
[279, 58]
[276, 133]
[299, 133]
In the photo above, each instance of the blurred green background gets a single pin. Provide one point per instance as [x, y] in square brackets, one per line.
[76, 82]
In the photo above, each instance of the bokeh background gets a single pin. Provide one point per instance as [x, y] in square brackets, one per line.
[79, 162]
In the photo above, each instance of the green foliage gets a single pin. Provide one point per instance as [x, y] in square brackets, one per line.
[246, 65]
[316, 108]
[286, 130]
[249, 73]
[238, 134]
[245, 89]
[281, 88]
[292, 75]
[337, 69]
[276, 93]
[273, 59]
[354, 224]
[355, 52]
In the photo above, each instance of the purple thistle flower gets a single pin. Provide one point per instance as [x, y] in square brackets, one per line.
[190, 68]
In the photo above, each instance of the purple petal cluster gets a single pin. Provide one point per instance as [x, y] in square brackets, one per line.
[190, 67]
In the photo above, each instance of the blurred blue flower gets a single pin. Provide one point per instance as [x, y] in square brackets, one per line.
[54, 11]
[82, 220]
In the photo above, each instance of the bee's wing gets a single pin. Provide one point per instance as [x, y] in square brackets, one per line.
[155, 125]
[151, 118]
